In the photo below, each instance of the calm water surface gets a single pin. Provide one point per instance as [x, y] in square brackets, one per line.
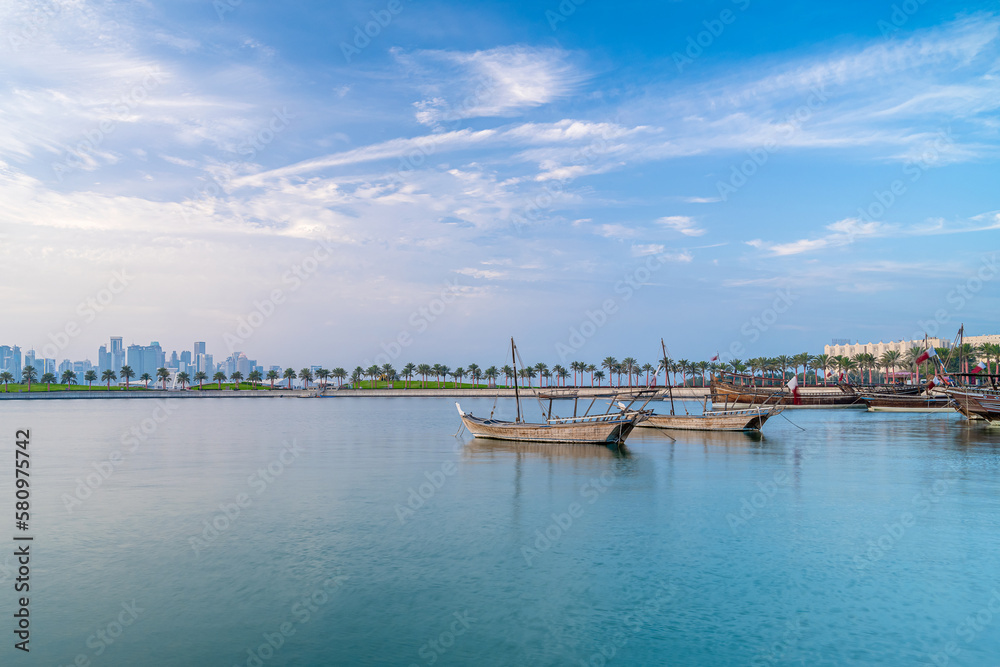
[371, 536]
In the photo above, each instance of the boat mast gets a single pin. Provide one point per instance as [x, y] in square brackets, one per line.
[517, 396]
[670, 387]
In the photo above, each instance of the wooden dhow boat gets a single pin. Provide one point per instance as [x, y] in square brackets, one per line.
[728, 394]
[608, 428]
[907, 403]
[976, 404]
[735, 419]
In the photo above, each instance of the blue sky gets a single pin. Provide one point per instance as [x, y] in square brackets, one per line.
[744, 177]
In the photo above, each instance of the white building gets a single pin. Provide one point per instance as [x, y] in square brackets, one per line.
[877, 349]
[992, 339]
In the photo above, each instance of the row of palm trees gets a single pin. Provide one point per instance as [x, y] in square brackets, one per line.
[863, 367]
[29, 376]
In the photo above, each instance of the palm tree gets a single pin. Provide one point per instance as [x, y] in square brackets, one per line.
[184, 379]
[389, 372]
[322, 374]
[541, 369]
[68, 378]
[802, 359]
[201, 376]
[702, 368]
[373, 372]
[89, 377]
[599, 375]
[436, 370]
[475, 373]
[219, 377]
[491, 375]
[508, 373]
[590, 368]
[562, 374]
[610, 363]
[357, 375]
[272, 375]
[236, 377]
[306, 376]
[443, 370]
[48, 379]
[126, 374]
[457, 375]
[783, 362]
[289, 375]
[106, 376]
[339, 374]
[424, 370]
[28, 375]
[7, 377]
[146, 377]
[528, 373]
[629, 364]
[890, 359]
[821, 361]
[407, 372]
[163, 374]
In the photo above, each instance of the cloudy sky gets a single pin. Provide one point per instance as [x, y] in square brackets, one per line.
[308, 182]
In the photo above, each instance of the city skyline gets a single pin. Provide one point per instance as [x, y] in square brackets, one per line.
[716, 174]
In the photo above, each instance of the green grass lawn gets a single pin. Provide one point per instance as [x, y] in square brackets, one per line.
[40, 386]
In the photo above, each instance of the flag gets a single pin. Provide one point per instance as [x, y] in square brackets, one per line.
[980, 367]
[793, 384]
[715, 358]
[928, 353]
[930, 384]
[841, 378]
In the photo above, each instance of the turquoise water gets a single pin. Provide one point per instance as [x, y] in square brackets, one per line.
[866, 539]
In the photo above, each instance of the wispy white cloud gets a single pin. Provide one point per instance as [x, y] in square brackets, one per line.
[681, 223]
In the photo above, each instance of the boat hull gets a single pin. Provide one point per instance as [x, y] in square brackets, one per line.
[740, 420]
[604, 432]
[977, 405]
[908, 403]
[724, 393]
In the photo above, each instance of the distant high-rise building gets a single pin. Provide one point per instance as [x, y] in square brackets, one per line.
[205, 364]
[199, 348]
[65, 365]
[174, 360]
[10, 360]
[136, 360]
[117, 354]
[186, 357]
[103, 359]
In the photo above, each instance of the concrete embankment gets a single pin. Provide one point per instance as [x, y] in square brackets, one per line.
[584, 392]
[158, 393]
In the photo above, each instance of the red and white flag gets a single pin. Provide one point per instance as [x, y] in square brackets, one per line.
[928, 353]
[793, 384]
[980, 367]
[715, 358]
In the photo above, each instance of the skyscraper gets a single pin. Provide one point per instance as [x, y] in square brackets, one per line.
[117, 354]
[199, 348]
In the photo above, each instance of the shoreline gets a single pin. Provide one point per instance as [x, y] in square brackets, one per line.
[444, 392]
